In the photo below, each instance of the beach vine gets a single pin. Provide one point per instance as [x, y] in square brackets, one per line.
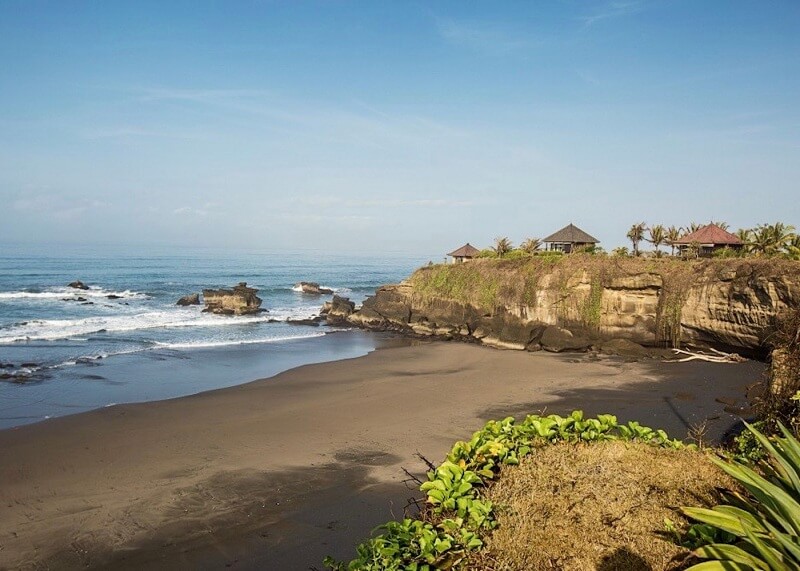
[457, 517]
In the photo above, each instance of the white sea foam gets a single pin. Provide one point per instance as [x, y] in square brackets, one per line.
[56, 294]
[232, 342]
[53, 329]
[299, 289]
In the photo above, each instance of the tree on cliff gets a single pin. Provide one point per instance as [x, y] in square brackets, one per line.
[530, 245]
[636, 235]
[672, 236]
[771, 239]
[502, 246]
[657, 236]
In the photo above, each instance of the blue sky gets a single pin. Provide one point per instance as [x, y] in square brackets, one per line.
[402, 126]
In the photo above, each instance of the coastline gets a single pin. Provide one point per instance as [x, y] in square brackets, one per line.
[279, 472]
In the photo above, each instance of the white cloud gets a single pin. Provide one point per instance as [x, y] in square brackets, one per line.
[483, 37]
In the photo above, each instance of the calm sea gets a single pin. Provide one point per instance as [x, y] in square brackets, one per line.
[125, 340]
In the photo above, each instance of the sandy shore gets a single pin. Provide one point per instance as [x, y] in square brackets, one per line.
[277, 473]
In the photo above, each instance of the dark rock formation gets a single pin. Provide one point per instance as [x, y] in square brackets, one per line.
[241, 300]
[113, 296]
[557, 339]
[337, 310]
[191, 299]
[313, 288]
[312, 321]
[727, 304]
[78, 285]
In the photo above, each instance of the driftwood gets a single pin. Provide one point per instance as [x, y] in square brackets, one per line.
[717, 357]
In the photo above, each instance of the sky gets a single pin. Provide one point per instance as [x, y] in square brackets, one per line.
[408, 127]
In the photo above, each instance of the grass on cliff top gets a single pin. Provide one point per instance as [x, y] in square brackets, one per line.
[599, 506]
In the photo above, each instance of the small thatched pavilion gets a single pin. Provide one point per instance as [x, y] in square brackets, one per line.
[708, 239]
[464, 253]
[569, 239]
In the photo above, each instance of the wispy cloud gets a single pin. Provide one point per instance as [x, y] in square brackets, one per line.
[484, 37]
[204, 211]
[56, 206]
[612, 10]
[325, 201]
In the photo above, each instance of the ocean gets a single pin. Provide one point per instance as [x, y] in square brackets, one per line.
[125, 339]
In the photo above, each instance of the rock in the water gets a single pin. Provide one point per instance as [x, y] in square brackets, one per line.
[191, 299]
[113, 296]
[556, 339]
[78, 284]
[6, 365]
[338, 309]
[312, 288]
[241, 300]
[313, 321]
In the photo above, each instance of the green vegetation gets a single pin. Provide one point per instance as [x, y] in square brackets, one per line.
[457, 519]
[763, 525]
[636, 235]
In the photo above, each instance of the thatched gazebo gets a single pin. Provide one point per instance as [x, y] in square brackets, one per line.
[464, 253]
[569, 239]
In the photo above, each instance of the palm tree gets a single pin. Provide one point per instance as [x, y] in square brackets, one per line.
[693, 227]
[772, 239]
[724, 225]
[793, 248]
[657, 236]
[502, 246]
[673, 235]
[530, 245]
[636, 235]
[746, 236]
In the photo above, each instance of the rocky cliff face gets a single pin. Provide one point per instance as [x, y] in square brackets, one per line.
[241, 300]
[655, 302]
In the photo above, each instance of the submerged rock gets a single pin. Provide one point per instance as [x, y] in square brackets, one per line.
[241, 300]
[78, 284]
[191, 299]
[313, 288]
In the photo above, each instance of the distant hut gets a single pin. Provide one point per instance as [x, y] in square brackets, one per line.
[464, 253]
[569, 239]
[708, 239]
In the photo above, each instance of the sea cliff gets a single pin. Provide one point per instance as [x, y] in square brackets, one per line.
[657, 302]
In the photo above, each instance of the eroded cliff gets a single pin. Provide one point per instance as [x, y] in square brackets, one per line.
[728, 303]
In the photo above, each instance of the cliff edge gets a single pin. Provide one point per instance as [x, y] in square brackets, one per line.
[726, 303]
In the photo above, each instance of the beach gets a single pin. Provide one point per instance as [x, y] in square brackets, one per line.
[278, 473]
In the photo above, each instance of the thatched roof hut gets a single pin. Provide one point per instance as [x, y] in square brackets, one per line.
[464, 253]
[569, 238]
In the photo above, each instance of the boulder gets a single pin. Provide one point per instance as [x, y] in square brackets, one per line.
[113, 296]
[191, 299]
[78, 284]
[623, 348]
[556, 339]
[241, 300]
[312, 288]
[338, 309]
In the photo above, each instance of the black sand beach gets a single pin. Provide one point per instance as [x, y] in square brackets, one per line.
[280, 472]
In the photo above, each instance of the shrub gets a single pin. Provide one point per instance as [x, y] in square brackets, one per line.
[765, 523]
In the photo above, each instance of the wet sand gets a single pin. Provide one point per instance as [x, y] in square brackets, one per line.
[278, 473]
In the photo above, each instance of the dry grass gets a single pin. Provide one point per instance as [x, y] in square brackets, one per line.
[596, 507]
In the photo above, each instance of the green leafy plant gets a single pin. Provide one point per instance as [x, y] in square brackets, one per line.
[765, 522]
[456, 514]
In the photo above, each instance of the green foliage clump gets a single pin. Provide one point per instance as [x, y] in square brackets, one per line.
[456, 515]
[764, 524]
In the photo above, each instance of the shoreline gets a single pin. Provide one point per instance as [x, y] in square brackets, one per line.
[279, 472]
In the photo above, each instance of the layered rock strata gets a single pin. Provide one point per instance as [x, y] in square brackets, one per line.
[542, 301]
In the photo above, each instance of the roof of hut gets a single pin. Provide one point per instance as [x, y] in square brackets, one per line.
[571, 234]
[465, 251]
[710, 234]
